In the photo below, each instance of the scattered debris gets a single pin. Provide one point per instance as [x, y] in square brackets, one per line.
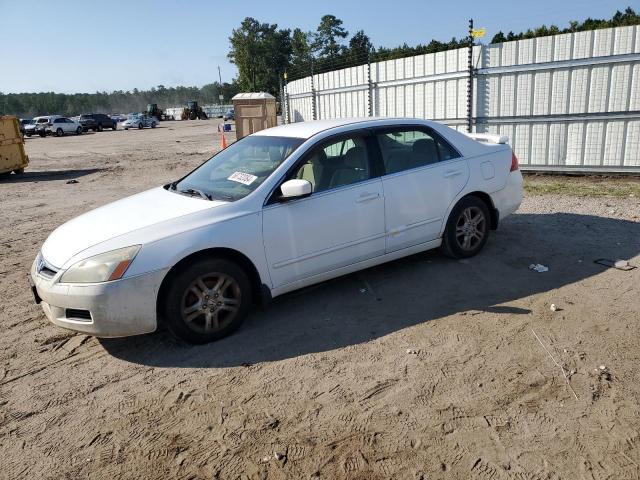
[266, 459]
[623, 265]
[278, 455]
[363, 290]
[602, 367]
[554, 307]
[554, 361]
[73, 180]
[538, 267]
[412, 351]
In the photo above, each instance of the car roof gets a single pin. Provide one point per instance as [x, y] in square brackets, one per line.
[311, 128]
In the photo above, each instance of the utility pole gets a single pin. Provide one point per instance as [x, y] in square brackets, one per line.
[470, 84]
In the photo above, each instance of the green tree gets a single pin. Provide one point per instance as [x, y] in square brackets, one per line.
[300, 62]
[360, 48]
[261, 52]
[328, 37]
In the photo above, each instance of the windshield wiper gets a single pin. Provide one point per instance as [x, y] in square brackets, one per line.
[195, 191]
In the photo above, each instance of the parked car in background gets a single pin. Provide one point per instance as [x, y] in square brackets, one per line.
[62, 126]
[139, 120]
[118, 117]
[229, 115]
[97, 122]
[278, 210]
[40, 124]
[24, 122]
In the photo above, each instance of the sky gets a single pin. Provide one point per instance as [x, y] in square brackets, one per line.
[74, 46]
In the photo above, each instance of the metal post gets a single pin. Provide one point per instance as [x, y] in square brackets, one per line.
[281, 98]
[313, 95]
[470, 84]
[221, 100]
[286, 97]
[370, 98]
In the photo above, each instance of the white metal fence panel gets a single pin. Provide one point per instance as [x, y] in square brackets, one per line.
[567, 102]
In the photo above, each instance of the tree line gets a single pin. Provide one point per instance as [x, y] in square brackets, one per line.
[27, 105]
[263, 54]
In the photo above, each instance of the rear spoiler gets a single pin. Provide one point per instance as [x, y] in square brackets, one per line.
[488, 137]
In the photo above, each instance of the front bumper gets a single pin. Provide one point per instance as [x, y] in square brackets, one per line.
[117, 309]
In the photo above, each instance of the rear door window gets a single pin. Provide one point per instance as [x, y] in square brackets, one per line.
[407, 148]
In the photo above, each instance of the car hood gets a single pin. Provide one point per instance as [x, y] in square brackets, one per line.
[119, 218]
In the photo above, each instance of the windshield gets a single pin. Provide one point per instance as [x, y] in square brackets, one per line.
[238, 170]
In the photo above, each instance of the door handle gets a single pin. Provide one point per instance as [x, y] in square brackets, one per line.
[365, 197]
[451, 173]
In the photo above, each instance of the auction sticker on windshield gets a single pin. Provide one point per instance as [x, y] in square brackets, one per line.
[241, 177]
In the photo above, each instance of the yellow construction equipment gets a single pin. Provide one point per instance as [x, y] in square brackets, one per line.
[12, 156]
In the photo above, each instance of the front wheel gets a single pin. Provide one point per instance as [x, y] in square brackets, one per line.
[78, 130]
[59, 132]
[153, 124]
[115, 126]
[140, 126]
[207, 300]
[467, 229]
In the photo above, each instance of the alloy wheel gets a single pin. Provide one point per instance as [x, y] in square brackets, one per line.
[211, 302]
[471, 227]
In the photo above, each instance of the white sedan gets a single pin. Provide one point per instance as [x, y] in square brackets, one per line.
[276, 211]
[139, 121]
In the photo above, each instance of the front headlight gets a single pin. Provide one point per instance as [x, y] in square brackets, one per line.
[101, 268]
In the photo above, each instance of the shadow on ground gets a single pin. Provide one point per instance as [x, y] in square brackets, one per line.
[48, 175]
[425, 287]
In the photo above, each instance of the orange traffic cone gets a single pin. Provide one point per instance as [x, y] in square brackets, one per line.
[223, 142]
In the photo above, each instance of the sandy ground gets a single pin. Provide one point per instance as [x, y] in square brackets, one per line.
[421, 368]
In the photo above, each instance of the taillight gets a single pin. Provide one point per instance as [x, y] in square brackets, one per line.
[514, 162]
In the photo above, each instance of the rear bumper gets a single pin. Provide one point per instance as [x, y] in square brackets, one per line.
[117, 309]
[508, 200]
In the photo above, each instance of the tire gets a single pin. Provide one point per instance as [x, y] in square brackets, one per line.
[126, 128]
[100, 127]
[28, 134]
[59, 132]
[153, 124]
[115, 126]
[140, 126]
[79, 131]
[194, 308]
[467, 228]
[18, 171]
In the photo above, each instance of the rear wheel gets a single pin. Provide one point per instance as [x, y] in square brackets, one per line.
[115, 126]
[207, 300]
[153, 124]
[59, 132]
[467, 229]
[78, 130]
[140, 126]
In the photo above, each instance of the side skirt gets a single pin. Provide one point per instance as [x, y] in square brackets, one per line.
[371, 262]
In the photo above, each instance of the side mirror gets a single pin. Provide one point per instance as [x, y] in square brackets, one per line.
[296, 188]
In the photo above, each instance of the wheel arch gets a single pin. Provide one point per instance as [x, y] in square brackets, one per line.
[486, 198]
[260, 292]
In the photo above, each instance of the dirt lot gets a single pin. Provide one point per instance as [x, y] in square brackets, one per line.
[421, 368]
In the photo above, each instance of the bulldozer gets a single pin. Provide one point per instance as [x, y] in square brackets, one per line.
[154, 111]
[193, 111]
